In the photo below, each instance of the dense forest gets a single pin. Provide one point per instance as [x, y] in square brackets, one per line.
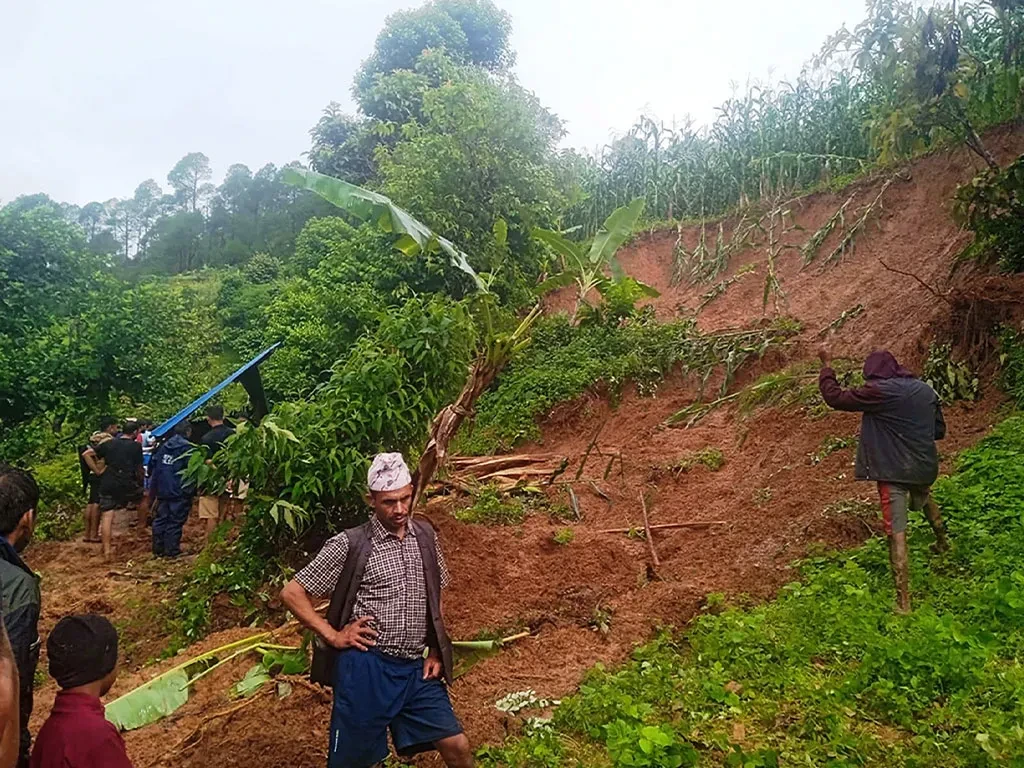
[135, 305]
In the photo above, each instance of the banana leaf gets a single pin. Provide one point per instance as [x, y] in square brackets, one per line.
[615, 231]
[415, 237]
[166, 693]
[254, 679]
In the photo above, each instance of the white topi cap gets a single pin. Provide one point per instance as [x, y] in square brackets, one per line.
[388, 472]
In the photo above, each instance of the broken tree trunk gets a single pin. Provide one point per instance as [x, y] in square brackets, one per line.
[498, 351]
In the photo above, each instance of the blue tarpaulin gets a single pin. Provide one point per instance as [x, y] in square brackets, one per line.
[249, 376]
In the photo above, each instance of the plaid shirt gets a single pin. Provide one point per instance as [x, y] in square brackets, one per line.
[393, 590]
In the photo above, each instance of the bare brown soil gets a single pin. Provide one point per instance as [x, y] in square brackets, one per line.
[770, 495]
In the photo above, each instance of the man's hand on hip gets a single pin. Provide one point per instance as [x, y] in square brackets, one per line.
[356, 634]
[432, 666]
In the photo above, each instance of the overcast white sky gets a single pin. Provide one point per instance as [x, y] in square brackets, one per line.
[97, 96]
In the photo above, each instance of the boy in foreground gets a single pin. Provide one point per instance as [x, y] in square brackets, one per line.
[83, 660]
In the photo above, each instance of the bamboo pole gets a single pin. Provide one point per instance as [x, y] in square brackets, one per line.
[666, 526]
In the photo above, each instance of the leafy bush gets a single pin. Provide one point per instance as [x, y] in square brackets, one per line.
[1011, 361]
[992, 206]
[951, 381]
[61, 498]
[306, 461]
[828, 674]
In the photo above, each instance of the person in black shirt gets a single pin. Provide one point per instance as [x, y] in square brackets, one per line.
[121, 482]
[92, 468]
[213, 502]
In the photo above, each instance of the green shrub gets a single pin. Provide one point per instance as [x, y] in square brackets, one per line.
[992, 206]
[951, 380]
[61, 498]
[1011, 361]
[491, 507]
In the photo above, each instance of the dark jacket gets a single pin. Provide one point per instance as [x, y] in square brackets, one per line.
[166, 466]
[343, 600]
[902, 420]
[21, 601]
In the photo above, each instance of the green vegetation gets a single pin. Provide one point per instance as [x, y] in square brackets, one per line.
[827, 674]
[831, 444]
[951, 380]
[564, 536]
[711, 458]
[991, 206]
[491, 507]
[565, 361]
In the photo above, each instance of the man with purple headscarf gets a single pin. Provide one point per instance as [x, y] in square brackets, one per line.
[901, 422]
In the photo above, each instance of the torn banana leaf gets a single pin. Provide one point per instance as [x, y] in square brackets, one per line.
[165, 693]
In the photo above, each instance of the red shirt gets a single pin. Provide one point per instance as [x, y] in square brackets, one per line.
[77, 735]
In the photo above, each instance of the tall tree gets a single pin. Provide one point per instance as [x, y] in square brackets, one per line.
[121, 218]
[92, 217]
[188, 179]
[146, 202]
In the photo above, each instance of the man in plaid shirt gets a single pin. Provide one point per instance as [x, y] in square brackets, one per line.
[384, 623]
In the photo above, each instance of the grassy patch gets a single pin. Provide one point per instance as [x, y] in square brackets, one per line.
[491, 507]
[827, 674]
[711, 458]
[565, 361]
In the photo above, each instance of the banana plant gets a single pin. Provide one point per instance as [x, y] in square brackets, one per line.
[413, 236]
[587, 269]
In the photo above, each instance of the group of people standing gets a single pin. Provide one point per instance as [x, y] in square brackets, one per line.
[125, 470]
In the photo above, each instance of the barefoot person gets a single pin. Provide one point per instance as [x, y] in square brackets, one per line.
[19, 496]
[92, 470]
[83, 660]
[121, 481]
[383, 646]
[901, 422]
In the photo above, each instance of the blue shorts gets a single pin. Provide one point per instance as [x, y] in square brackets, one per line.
[374, 693]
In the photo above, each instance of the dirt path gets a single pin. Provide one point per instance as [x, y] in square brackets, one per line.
[776, 502]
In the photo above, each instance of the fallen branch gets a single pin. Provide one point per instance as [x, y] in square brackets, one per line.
[590, 447]
[575, 504]
[925, 285]
[655, 560]
[666, 526]
[839, 322]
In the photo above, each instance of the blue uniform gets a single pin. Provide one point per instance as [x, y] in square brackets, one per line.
[174, 494]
